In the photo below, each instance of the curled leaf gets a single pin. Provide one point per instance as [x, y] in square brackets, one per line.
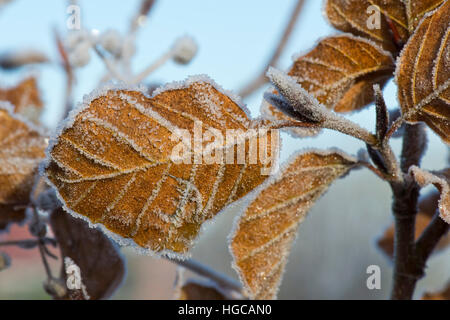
[101, 266]
[441, 180]
[266, 230]
[25, 98]
[132, 163]
[22, 149]
[423, 74]
[202, 289]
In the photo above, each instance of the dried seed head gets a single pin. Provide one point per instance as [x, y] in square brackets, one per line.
[112, 41]
[185, 49]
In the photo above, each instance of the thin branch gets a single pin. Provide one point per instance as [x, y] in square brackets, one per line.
[430, 237]
[209, 273]
[155, 65]
[261, 79]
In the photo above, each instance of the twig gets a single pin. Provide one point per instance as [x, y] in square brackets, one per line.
[260, 80]
[430, 237]
[155, 65]
[209, 273]
[70, 78]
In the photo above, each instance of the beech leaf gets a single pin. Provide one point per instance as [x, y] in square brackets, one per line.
[266, 230]
[25, 98]
[22, 149]
[340, 73]
[441, 180]
[102, 266]
[113, 163]
[423, 73]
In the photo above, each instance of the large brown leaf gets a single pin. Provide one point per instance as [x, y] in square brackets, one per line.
[21, 150]
[265, 232]
[25, 98]
[441, 180]
[423, 74]
[114, 164]
[101, 265]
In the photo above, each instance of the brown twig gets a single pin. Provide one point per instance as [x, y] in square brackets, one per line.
[261, 79]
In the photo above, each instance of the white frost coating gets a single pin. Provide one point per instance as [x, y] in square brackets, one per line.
[202, 78]
[424, 178]
[343, 35]
[251, 196]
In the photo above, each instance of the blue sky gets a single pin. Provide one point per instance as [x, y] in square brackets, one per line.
[235, 39]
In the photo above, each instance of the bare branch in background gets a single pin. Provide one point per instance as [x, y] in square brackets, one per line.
[261, 79]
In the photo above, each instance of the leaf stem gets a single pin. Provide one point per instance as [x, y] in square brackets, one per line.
[208, 272]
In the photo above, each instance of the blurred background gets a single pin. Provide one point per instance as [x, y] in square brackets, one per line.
[335, 244]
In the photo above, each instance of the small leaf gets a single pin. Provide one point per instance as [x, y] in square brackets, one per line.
[442, 295]
[265, 232]
[101, 265]
[441, 180]
[423, 74]
[25, 98]
[114, 163]
[427, 208]
[382, 112]
[22, 149]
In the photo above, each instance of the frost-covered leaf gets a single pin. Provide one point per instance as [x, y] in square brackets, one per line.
[354, 16]
[441, 180]
[265, 232]
[340, 72]
[114, 163]
[423, 73]
[426, 210]
[102, 266]
[442, 295]
[21, 150]
[416, 9]
[25, 98]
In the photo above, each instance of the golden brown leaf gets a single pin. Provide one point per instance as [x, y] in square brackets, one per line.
[416, 9]
[442, 295]
[114, 164]
[353, 16]
[441, 180]
[423, 74]
[25, 98]
[265, 232]
[22, 149]
[340, 72]
[427, 209]
[102, 268]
